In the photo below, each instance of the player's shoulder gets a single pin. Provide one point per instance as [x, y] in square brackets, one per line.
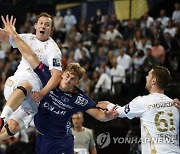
[159, 96]
[53, 45]
[27, 35]
[140, 98]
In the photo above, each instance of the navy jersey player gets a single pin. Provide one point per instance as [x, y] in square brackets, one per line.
[56, 108]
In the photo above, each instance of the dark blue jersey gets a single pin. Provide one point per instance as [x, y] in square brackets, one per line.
[57, 107]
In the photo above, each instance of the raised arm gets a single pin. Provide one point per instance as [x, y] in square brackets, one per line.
[23, 47]
[4, 37]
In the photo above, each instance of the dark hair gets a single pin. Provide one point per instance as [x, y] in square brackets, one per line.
[162, 75]
[44, 14]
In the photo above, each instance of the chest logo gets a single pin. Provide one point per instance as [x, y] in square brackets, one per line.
[81, 101]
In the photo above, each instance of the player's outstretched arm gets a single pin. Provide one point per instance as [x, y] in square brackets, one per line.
[23, 47]
[103, 115]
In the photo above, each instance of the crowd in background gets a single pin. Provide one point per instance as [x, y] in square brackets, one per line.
[116, 54]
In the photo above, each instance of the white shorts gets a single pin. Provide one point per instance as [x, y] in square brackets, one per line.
[28, 108]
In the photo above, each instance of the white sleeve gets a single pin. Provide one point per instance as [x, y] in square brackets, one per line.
[12, 42]
[134, 109]
[54, 58]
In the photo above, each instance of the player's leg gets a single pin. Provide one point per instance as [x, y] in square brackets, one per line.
[14, 100]
[9, 130]
[20, 120]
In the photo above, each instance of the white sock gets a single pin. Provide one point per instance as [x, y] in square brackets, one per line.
[6, 113]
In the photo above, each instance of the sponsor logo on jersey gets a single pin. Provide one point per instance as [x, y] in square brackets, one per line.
[126, 109]
[56, 62]
[81, 101]
[64, 99]
[69, 95]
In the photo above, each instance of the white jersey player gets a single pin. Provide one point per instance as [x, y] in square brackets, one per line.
[25, 80]
[159, 118]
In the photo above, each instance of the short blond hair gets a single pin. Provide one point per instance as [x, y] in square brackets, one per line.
[76, 69]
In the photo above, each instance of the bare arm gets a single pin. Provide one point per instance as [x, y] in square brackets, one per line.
[103, 115]
[4, 37]
[23, 47]
[51, 84]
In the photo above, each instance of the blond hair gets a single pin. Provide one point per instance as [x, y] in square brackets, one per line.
[76, 69]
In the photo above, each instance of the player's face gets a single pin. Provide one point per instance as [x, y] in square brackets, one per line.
[149, 80]
[77, 120]
[69, 80]
[43, 28]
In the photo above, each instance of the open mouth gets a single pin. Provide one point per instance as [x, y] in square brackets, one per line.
[42, 32]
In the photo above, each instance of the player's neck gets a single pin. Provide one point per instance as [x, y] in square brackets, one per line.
[156, 90]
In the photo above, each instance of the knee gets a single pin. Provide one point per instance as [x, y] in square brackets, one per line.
[13, 126]
[27, 86]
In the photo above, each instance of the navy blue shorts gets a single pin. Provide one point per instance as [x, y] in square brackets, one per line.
[46, 145]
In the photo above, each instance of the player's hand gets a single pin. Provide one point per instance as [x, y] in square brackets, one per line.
[177, 103]
[37, 96]
[102, 104]
[112, 114]
[9, 24]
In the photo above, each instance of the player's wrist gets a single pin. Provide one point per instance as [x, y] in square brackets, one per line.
[110, 106]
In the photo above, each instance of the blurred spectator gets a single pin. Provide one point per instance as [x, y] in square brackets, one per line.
[85, 84]
[98, 17]
[131, 47]
[59, 26]
[83, 137]
[106, 68]
[129, 30]
[124, 59]
[116, 23]
[69, 20]
[163, 18]
[149, 61]
[117, 72]
[94, 80]
[170, 28]
[158, 52]
[99, 58]
[111, 33]
[85, 61]
[74, 34]
[103, 86]
[58, 21]
[176, 13]
[78, 52]
[155, 34]
[138, 61]
[169, 43]
[149, 21]
[137, 38]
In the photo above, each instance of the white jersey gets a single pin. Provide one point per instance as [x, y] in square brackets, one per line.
[49, 53]
[159, 123]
